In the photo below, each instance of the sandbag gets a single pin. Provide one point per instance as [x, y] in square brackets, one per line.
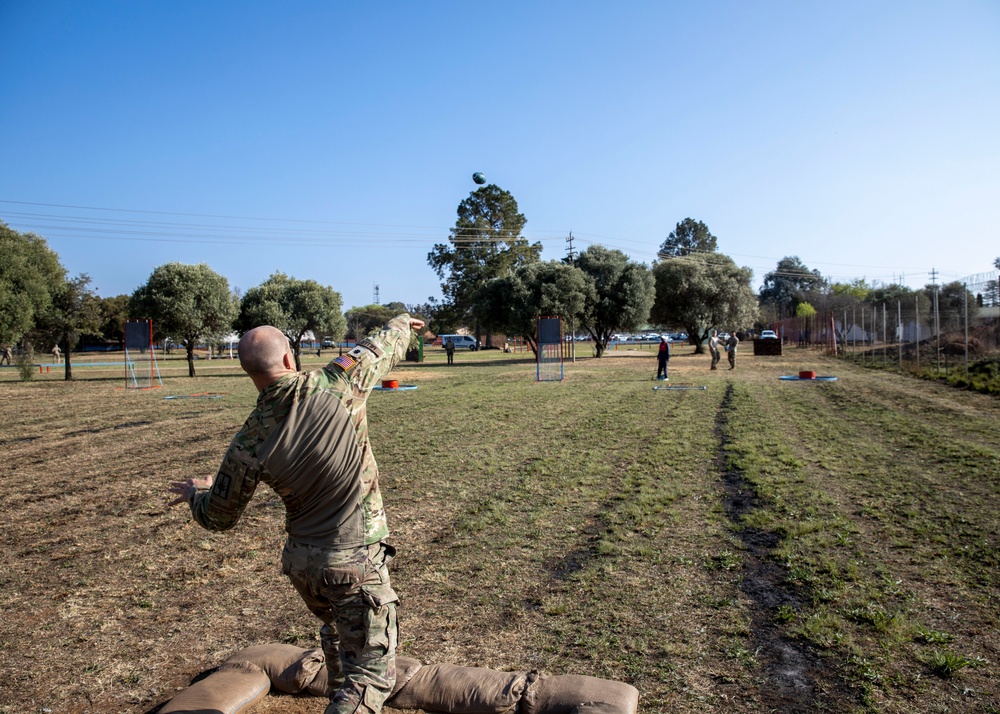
[406, 667]
[231, 689]
[291, 669]
[564, 693]
[461, 690]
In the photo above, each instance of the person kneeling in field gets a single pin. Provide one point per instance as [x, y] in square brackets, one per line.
[308, 439]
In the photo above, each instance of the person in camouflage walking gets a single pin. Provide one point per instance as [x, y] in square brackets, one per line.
[308, 439]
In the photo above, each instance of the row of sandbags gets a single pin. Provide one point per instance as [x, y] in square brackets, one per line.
[249, 674]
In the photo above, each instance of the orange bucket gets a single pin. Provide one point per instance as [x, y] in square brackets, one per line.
[394, 383]
[807, 375]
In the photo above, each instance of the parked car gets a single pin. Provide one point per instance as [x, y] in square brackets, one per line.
[768, 335]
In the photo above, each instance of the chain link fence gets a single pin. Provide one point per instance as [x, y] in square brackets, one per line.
[948, 330]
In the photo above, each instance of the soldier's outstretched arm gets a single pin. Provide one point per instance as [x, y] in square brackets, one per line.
[374, 356]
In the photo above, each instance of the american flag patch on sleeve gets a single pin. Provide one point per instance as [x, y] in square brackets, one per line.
[345, 362]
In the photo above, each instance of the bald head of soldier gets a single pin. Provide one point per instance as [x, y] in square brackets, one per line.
[265, 355]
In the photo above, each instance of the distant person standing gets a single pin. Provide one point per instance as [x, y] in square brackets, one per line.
[662, 357]
[7, 356]
[449, 348]
[714, 344]
[55, 352]
[731, 344]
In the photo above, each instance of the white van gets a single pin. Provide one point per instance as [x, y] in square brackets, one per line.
[461, 342]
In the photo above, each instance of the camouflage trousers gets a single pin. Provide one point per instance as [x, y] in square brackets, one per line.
[716, 356]
[349, 591]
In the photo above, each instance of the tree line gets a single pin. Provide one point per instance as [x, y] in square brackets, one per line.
[492, 281]
[41, 304]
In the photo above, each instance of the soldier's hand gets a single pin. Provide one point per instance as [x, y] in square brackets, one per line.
[416, 324]
[183, 488]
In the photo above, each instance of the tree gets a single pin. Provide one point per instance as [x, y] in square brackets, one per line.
[189, 303]
[513, 303]
[295, 307]
[805, 310]
[690, 236]
[362, 320]
[788, 284]
[485, 243]
[953, 301]
[619, 296]
[29, 272]
[113, 313]
[75, 310]
[703, 291]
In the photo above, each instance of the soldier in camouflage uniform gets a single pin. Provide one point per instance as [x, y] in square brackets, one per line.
[713, 347]
[308, 439]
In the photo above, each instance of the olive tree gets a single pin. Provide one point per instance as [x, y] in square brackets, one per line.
[512, 303]
[619, 296]
[295, 307]
[702, 291]
[190, 303]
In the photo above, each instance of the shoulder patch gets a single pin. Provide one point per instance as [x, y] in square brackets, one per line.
[346, 362]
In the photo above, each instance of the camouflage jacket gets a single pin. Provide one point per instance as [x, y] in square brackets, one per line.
[308, 439]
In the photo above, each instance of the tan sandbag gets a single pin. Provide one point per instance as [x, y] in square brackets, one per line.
[460, 690]
[231, 689]
[291, 669]
[406, 667]
[562, 693]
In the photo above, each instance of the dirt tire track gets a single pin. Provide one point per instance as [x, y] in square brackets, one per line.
[796, 677]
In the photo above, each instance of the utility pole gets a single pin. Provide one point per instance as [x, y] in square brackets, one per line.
[570, 249]
[375, 296]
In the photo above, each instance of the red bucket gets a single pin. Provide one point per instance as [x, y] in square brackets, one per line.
[394, 383]
[807, 375]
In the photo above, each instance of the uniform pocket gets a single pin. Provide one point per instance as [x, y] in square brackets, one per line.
[378, 595]
[343, 575]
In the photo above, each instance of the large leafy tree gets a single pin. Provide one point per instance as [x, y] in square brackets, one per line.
[75, 310]
[787, 285]
[513, 302]
[364, 319]
[619, 296]
[703, 291]
[189, 303]
[29, 274]
[690, 236]
[295, 307]
[485, 243]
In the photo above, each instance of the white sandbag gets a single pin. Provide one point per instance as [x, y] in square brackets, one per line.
[460, 690]
[562, 693]
[231, 689]
[291, 669]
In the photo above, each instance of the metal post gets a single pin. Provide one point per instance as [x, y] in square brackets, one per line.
[965, 302]
[863, 336]
[899, 326]
[885, 336]
[937, 327]
[916, 323]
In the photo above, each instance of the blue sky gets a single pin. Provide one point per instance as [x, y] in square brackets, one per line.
[335, 140]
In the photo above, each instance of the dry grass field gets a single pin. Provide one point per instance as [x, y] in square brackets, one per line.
[755, 546]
